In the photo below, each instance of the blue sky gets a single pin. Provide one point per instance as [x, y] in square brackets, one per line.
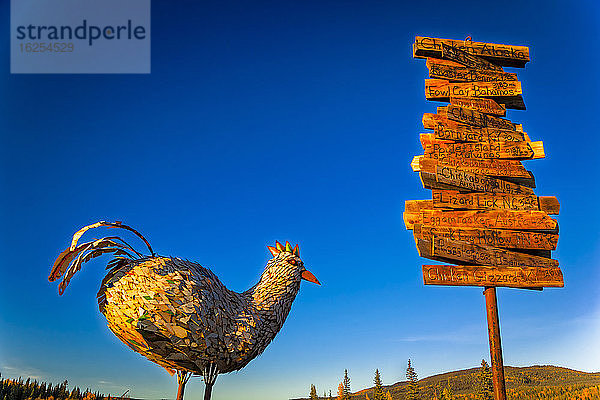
[290, 121]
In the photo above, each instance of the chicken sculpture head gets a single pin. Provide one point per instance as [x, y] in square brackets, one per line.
[284, 270]
[178, 314]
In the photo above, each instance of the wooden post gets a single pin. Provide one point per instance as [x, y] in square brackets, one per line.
[491, 306]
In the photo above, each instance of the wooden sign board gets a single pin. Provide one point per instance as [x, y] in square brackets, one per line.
[438, 89]
[501, 54]
[490, 219]
[442, 248]
[467, 59]
[496, 201]
[468, 134]
[473, 119]
[508, 93]
[485, 150]
[480, 104]
[428, 139]
[510, 169]
[476, 118]
[503, 238]
[446, 136]
[448, 177]
[431, 121]
[476, 182]
[486, 276]
[446, 129]
[447, 70]
[454, 200]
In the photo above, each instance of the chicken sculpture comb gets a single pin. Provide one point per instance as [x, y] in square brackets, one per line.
[279, 248]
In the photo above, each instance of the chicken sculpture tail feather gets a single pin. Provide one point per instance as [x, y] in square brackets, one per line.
[69, 262]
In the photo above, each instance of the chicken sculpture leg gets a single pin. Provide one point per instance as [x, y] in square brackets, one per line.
[177, 313]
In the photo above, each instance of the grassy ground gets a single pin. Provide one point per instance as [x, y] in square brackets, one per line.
[524, 383]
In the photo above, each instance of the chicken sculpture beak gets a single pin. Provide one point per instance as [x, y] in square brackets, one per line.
[307, 275]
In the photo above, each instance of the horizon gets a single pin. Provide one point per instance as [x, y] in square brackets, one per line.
[289, 121]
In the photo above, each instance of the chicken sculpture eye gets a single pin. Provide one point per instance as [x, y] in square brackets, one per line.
[292, 261]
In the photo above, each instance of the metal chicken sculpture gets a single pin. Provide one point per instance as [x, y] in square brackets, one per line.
[178, 314]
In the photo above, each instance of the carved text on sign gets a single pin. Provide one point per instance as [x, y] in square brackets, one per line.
[440, 89]
[479, 150]
[487, 106]
[477, 182]
[476, 275]
[497, 201]
[501, 54]
[495, 219]
[447, 70]
[503, 238]
[485, 166]
[485, 255]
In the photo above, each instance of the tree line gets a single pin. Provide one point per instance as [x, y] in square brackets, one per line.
[17, 389]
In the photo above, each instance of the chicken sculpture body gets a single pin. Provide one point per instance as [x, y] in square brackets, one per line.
[178, 314]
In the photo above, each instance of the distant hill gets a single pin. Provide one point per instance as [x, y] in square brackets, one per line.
[522, 383]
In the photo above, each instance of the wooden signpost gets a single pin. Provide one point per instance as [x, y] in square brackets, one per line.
[484, 221]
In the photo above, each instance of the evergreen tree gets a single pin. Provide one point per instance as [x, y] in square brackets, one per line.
[76, 393]
[378, 393]
[313, 393]
[35, 390]
[346, 384]
[486, 383]
[14, 393]
[64, 393]
[447, 393]
[56, 391]
[330, 394]
[413, 384]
